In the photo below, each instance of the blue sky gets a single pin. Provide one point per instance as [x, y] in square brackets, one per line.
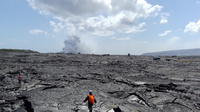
[45, 25]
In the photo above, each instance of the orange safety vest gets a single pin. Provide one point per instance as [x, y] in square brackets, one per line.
[91, 99]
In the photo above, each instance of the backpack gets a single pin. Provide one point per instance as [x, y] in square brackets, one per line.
[91, 99]
[19, 77]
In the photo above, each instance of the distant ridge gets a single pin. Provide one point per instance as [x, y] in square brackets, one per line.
[18, 50]
[183, 52]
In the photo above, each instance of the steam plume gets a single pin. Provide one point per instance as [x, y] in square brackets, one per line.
[73, 45]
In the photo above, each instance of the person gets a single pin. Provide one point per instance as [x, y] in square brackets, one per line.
[19, 77]
[91, 100]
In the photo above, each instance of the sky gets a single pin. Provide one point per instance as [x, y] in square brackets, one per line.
[100, 26]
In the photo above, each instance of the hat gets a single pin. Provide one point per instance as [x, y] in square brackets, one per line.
[90, 91]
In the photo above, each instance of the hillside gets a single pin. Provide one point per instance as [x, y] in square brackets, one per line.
[184, 52]
[17, 51]
[60, 82]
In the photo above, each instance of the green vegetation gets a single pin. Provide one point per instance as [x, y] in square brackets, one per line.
[18, 50]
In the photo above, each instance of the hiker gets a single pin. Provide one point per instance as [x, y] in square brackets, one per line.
[91, 100]
[19, 77]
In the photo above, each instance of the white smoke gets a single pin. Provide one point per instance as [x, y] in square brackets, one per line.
[73, 45]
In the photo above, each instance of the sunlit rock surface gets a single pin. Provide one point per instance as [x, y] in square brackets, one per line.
[60, 82]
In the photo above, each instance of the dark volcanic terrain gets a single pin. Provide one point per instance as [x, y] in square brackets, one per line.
[60, 82]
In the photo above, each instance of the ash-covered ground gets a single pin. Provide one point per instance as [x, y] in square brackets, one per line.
[60, 82]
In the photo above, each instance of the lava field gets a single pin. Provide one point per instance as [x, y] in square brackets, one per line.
[56, 82]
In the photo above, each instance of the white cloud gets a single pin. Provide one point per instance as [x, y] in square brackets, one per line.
[37, 32]
[163, 21]
[165, 33]
[121, 38]
[192, 27]
[164, 18]
[99, 17]
[57, 26]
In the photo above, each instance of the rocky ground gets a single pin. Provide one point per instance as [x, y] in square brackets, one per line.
[60, 82]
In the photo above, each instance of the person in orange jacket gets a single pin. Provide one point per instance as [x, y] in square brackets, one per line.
[91, 100]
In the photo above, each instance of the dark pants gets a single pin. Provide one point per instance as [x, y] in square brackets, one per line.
[28, 106]
[90, 107]
[117, 109]
[20, 82]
